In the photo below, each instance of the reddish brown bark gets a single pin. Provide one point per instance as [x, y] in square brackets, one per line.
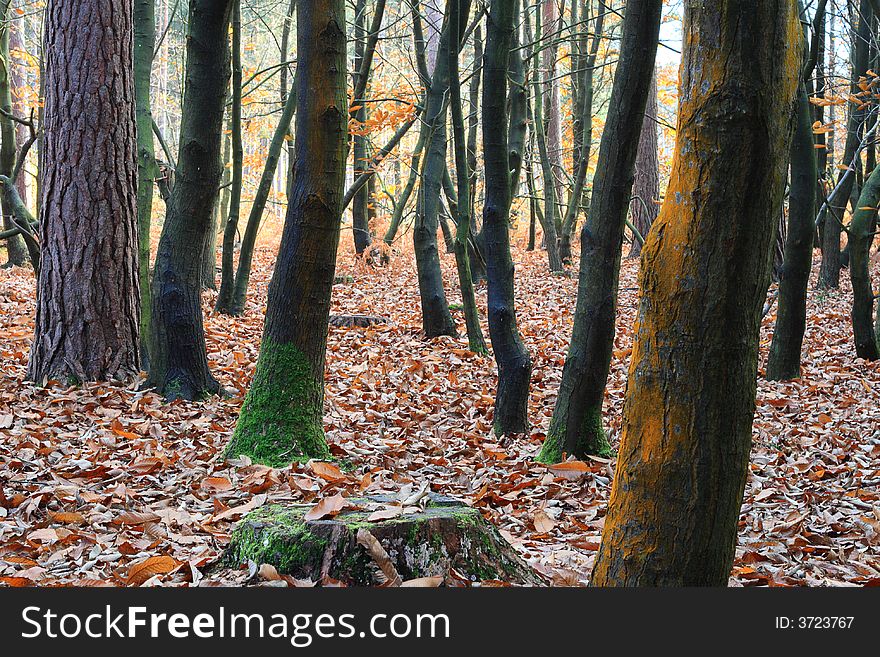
[88, 308]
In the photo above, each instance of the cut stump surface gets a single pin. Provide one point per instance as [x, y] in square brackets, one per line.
[446, 535]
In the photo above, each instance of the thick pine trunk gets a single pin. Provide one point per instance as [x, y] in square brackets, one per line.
[576, 427]
[282, 417]
[784, 362]
[646, 188]
[679, 482]
[511, 356]
[87, 294]
[178, 356]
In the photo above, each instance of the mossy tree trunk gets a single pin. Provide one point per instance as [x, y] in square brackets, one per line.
[178, 355]
[576, 426]
[88, 304]
[281, 420]
[148, 169]
[511, 356]
[679, 481]
[16, 252]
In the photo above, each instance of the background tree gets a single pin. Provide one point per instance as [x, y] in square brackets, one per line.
[576, 426]
[511, 356]
[690, 401]
[88, 300]
[282, 417]
[15, 247]
[646, 188]
[178, 358]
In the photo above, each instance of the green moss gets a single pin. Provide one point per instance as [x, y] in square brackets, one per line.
[456, 306]
[274, 535]
[591, 440]
[281, 419]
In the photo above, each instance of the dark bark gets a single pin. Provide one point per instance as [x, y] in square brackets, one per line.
[281, 419]
[178, 357]
[829, 272]
[784, 362]
[576, 426]
[463, 175]
[87, 293]
[861, 236]
[436, 318]
[511, 356]
[227, 259]
[690, 402]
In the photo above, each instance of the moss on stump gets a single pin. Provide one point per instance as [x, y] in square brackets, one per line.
[447, 534]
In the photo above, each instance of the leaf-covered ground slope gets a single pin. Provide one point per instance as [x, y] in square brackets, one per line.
[108, 485]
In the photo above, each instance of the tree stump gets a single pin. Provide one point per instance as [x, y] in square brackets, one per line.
[445, 535]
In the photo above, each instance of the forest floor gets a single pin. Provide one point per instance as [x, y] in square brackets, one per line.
[104, 484]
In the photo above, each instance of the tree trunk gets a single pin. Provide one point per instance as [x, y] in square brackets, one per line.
[784, 362]
[227, 258]
[282, 417]
[88, 298]
[178, 357]
[15, 248]
[829, 272]
[511, 356]
[476, 342]
[436, 318]
[258, 207]
[576, 427]
[861, 236]
[679, 481]
[148, 169]
[646, 188]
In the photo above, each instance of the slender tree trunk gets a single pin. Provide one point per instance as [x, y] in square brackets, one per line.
[861, 236]
[360, 214]
[15, 248]
[281, 420]
[511, 356]
[88, 298]
[646, 188]
[436, 318]
[681, 472]
[258, 207]
[551, 242]
[227, 259]
[148, 169]
[463, 175]
[829, 272]
[576, 426]
[784, 362]
[178, 357]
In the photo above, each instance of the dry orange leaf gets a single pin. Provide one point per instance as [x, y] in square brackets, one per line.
[329, 506]
[144, 570]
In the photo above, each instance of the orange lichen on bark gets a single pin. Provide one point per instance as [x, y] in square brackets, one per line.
[690, 399]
